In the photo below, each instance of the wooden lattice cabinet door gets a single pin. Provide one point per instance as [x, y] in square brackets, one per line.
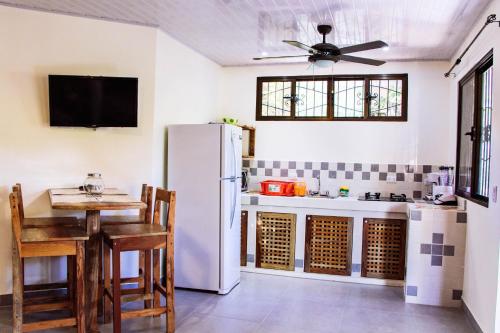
[275, 241]
[383, 248]
[328, 245]
[244, 233]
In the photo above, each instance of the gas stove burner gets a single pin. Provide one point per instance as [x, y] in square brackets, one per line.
[398, 197]
[392, 197]
[372, 196]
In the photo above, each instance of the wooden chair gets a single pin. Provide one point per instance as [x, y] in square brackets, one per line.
[150, 238]
[45, 242]
[143, 217]
[44, 222]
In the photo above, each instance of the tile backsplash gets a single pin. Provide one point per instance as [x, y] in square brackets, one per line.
[360, 177]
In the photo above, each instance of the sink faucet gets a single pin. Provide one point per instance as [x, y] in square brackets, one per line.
[319, 186]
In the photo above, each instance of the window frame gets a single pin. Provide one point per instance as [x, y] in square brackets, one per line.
[475, 72]
[330, 78]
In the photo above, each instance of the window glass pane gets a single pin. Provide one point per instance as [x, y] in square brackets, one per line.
[484, 148]
[386, 98]
[348, 98]
[464, 181]
[311, 100]
[276, 99]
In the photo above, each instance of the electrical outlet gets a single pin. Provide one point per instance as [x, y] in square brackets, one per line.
[494, 193]
[391, 178]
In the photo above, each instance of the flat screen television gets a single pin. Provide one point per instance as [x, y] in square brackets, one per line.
[92, 101]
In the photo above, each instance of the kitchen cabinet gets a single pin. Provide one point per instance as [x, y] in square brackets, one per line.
[328, 244]
[275, 241]
[383, 253]
[244, 238]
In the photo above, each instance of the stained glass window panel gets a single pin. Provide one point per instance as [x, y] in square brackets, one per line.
[386, 98]
[348, 98]
[311, 98]
[276, 98]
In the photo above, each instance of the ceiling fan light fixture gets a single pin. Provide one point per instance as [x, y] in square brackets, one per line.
[386, 48]
[323, 63]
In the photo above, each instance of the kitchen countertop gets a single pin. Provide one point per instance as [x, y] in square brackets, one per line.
[338, 203]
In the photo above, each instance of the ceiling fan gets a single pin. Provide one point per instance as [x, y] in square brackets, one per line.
[323, 53]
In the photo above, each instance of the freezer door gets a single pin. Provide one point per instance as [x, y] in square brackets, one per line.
[231, 145]
[194, 155]
[230, 234]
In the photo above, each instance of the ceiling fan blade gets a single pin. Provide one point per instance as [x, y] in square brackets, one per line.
[280, 57]
[363, 47]
[300, 45]
[360, 60]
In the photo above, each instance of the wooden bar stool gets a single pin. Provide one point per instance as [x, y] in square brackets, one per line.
[149, 238]
[45, 242]
[145, 216]
[44, 222]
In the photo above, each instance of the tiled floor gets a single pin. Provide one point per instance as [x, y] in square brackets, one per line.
[272, 304]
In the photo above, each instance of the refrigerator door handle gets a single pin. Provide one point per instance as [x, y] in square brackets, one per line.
[233, 211]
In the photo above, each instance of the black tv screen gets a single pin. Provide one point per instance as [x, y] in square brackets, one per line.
[92, 101]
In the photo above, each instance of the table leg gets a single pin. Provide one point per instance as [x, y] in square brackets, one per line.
[92, 269]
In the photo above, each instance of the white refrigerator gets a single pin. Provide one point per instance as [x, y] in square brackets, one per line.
[204, 168]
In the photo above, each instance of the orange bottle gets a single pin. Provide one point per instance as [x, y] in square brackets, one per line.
[300, 189]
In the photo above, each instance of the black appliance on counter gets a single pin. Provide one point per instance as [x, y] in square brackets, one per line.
[392, 197]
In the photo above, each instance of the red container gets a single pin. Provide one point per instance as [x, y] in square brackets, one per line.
[277, 188]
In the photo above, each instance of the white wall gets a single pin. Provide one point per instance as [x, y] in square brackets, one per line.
[186, 92]
[419, 141]
[483, 226]
[35, 44]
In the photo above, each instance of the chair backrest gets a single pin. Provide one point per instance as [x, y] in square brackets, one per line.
[167, 197]
[16, 218]
[147, 198]
[17, 188]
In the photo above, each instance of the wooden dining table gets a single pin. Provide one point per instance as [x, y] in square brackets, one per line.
[75, 199]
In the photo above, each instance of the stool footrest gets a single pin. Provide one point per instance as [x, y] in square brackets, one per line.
[144, 313]
[44, 307]
[43, 325]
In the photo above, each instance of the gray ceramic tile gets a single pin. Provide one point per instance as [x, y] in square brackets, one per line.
[391, 168]
[417, 177]
[250, 258]
[436, 261]
[425, 248]
[284, 173]
[437, 238]
[340, 166]
[409, 169]
[449, 250]
[417, 194]
[349, 175]
[356, 268]
[254, 201]
[300, 173]
[292, 165]
[365, 175]
[276, 164]
[246, 163]
[427, 168]
[374, 168]
[253, 171]
[382, 176]
[461, 217]
[299, 263]
[437, 249]
[308, 165]
[457, 295]
[332, 174]
[400, 177]
[324, 165]
[411, 290]
[261, 164]
[269, 172]
[416, 215]
[358, 166]
[316, 173]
